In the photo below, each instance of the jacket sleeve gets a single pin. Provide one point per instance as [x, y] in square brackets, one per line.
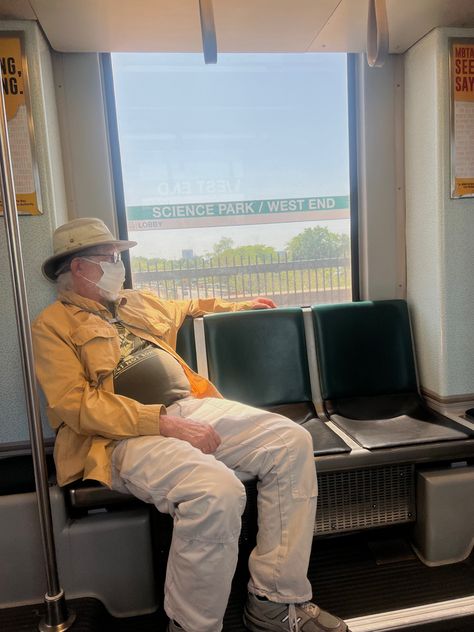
[202, 306]
[73, 400]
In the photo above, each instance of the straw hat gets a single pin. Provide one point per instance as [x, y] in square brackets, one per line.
[79, 235]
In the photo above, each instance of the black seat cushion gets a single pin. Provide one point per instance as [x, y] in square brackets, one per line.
[386, 421]
[325, 441]
[299, 412]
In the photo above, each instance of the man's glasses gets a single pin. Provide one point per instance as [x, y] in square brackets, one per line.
[115, 257]
[109, 257]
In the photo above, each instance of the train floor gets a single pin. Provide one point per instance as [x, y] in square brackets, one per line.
[352, 576]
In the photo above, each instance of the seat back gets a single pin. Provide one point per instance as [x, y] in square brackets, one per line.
[364, 349]
[259, 357]
[186, 343]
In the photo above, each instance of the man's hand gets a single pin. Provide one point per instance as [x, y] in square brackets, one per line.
[200, 435]
[262, 303]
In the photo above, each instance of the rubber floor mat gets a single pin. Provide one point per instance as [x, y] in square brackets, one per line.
[346, 580]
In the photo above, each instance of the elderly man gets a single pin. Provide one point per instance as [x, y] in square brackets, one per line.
[131, 414]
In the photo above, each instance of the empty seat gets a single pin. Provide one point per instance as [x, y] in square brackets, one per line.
[368, 376]
[259, 358]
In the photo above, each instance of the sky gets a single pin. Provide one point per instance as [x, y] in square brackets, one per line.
[251, 127]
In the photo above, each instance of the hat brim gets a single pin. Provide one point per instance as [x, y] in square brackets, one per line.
[51, 264]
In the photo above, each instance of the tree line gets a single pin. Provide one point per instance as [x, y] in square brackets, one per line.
[310, 244]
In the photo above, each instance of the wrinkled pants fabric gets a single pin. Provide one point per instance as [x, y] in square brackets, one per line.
[206, 500]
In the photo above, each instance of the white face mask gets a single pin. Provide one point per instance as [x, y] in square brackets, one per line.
[111, 281]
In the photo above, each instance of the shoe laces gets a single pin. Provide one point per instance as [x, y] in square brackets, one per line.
[292, 618]
[308, 607]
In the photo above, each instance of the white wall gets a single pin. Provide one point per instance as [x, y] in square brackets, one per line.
[381, 186]
[84, 135]
[440, 231]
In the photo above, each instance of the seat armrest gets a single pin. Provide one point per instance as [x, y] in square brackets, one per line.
[93, 496]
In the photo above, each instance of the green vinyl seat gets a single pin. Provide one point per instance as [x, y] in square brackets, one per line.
[368, 377]
[186, 344]
[259, 358]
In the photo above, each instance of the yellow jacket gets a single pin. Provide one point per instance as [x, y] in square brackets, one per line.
[77, 350]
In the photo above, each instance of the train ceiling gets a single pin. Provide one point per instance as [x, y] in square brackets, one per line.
[241, 25]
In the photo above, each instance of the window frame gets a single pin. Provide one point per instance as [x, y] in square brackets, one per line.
[353, 173]
[117, 176]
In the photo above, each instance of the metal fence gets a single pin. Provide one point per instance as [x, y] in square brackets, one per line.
[287, 282]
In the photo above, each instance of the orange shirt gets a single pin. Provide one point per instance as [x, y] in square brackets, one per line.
[76, 352]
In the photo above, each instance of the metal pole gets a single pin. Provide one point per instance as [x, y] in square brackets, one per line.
[56, 618]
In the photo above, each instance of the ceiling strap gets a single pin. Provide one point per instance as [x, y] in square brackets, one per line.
[377, 33]
[208, 30]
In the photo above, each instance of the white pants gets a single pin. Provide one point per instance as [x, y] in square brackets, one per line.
[206, 500]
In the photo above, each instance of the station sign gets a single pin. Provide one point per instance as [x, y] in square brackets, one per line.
[228, 213]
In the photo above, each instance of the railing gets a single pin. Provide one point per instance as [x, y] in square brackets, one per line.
[287, 282]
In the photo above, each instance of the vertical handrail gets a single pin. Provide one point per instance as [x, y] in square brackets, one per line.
[57, 617]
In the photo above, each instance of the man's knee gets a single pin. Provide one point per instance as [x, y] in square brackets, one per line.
[296, 461]
[214, 513]
[300, 439]
[226, 494]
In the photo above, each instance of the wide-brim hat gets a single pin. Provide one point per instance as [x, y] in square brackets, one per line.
[76, 236]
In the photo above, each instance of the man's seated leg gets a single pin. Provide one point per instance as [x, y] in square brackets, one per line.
[280, 454]
[206, 500]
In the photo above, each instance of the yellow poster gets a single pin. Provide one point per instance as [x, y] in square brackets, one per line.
[462, 100]
[15, 78]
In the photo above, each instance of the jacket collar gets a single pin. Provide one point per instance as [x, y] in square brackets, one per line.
[86, 304]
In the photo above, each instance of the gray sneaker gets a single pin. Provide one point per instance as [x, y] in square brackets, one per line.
[261, 615]
[174, 627]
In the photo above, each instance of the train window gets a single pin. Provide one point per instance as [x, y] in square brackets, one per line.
[236, 175]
